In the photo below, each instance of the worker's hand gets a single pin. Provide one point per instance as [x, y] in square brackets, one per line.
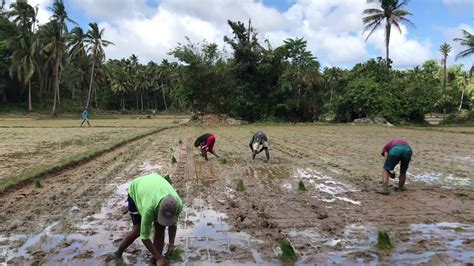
[169, 251]
[161, 261]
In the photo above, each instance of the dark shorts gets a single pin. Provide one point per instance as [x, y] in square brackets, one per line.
[132, 208]
[398, 154]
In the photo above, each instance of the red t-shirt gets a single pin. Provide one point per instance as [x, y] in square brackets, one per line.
[392, 143]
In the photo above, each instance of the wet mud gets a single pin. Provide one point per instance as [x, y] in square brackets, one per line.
[79, 217]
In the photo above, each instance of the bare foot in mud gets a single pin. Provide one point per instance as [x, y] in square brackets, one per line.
[400, 189]
[113, 257]
[383, 192]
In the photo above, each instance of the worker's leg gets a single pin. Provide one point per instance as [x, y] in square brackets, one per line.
[128, 239]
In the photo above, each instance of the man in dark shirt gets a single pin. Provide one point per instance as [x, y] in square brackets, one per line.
[206, 144]
[258, 143]
[396, 151]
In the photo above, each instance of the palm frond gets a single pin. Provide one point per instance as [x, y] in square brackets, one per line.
[371, 11]
[465, 53]
[374, 26]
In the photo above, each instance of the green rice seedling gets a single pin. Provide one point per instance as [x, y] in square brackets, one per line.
[301, 186]
[223, 161]
[383, 240]
[176, 255]
[240, 185]
[173, 160]
[38, 183]
[287, 252]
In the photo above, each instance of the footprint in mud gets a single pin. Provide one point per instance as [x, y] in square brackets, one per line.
[86, 255]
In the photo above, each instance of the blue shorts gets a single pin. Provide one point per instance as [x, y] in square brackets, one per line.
[398, 154]
[132, 208]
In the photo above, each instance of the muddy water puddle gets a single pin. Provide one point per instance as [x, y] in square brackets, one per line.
[83, 243]
[441, 243]
[203, 236]
[330, 190]
[445, 180]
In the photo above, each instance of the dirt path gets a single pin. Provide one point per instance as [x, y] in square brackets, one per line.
[79, 217]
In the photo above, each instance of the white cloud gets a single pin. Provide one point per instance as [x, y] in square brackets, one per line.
[114, 10]
[43, 9]
[403, 51]
[332, 28]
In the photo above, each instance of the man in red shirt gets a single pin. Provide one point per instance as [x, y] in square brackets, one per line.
[396, 151]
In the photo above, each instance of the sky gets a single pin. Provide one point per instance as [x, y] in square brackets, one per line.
[333, 29]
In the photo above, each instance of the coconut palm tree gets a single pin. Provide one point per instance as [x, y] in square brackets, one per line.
[468, 41]
[23, 45]
[391, 12]
[79, 62]
[462, 82]
[60, 14]
[96, 44]
[55, 47]
[445, 49]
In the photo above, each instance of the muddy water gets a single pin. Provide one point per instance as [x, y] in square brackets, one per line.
[330, 189]
[441, 243]
[445, 180]
[203, 236]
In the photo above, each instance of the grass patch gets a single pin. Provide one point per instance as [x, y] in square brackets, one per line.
[240, 185]
[222, 161]
[36, 172]
[173, 160]
[459, 229]
[383, 240]
[38, 183]
[301, 186]
[176, 255]
[287, 251]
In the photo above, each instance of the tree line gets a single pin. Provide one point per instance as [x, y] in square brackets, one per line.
[50, 65]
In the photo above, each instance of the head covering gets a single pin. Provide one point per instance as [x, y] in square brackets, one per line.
[167, 211]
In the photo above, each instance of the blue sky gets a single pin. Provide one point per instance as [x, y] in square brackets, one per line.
[332, 28]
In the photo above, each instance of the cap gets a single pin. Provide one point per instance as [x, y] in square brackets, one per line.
[167, 211]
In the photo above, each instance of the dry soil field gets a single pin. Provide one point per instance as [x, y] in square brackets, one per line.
[80, 216]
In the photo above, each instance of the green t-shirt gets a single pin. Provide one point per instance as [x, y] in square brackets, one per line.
[147, 192]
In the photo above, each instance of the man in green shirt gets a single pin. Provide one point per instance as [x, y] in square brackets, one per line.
[152, 201]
